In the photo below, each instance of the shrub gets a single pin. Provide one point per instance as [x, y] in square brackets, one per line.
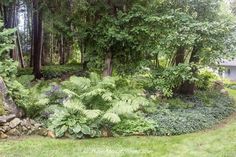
[25, 80]
[172, 77]
[204, 79]
[31, 100]
[54, 71]
[231, 86]
[134, 126]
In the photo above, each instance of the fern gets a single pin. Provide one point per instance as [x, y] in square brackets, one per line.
[111, 117]
[98, 101]
[92, 114]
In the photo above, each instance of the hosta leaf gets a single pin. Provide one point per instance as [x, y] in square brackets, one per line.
[61, 131]
[85, 129]
[77, 129]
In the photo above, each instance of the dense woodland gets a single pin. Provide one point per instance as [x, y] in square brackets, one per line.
[133, 62]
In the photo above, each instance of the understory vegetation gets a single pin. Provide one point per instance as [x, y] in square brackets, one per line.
[118, 68]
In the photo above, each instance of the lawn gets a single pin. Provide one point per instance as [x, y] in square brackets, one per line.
[218, 142]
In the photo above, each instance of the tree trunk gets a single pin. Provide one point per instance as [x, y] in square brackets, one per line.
[21, 58]
[187, 87]
[107, 71]
[37, 39]
[62, 52]
[180, 54]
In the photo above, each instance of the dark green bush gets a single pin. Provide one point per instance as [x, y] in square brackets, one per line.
[54, 71]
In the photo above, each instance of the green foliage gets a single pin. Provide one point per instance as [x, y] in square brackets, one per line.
[2, 110]
[31, 100]
[175, 103]
[7, 65]
[25, 80]
[54, 71]
[204, 114]
[74, 123]
[204, 79]
[134, 126]
[100, 101]
[172, 77]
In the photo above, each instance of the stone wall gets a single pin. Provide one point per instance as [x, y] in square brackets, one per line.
[10, 125]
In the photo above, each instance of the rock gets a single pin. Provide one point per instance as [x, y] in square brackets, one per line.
[3, 136]
[5, 128]
[13, 132]
[26, 123]
[32, 122]
[8, 118]
[51, 134]
[24, 129]
[224, 92]
[218, 85]
[6, 124]
[37, 125]
[15, 122]
[105, 132]
[8, 102]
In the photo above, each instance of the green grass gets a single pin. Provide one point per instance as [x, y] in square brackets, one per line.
[218, 142]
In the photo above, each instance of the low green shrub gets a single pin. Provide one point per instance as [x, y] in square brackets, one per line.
[175, 103]
[134, 126]
[31, 100]
[167, 80]
[54, 71]
[231, 86]
[204, 79]
[25, 80]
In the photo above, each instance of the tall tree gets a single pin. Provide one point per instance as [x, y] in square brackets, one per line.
[37, 38]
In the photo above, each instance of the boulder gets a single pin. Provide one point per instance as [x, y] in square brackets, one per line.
[218, 85]
[3, 136]
[51, 134]
[13, 132]
[15, 122]
[224, 92]
[8, 103]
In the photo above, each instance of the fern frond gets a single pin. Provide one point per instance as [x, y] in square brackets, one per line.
[107, 96]
[95, 92]
[91, 114]
[111, 117]
[74, 104]
[107, 82]
[70, 93]
[122, 108]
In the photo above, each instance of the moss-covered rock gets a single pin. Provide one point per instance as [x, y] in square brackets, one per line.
[2, 111]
